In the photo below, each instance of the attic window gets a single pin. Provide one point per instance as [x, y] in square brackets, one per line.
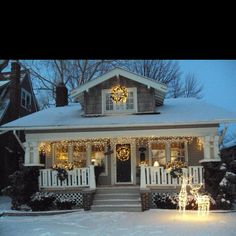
[110, 106]
[25, 99]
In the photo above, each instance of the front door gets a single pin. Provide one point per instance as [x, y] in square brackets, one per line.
[123, 163]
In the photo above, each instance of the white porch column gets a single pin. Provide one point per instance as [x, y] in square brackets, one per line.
[92, 183]
[27, 154]
[216, 147]
[32, 154]
[207, 148]
[142, 176]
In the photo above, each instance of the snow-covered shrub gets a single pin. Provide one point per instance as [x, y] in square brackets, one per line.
[170, 201]
[65, 203]
[223, 201]
[42, 201]
[166, 200]
[24, 183]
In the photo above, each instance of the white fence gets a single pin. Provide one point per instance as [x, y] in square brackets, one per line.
[80, 177]
[158, 176]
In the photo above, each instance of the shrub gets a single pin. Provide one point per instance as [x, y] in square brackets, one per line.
[42, 201]
[166, 201]
[64, 203]
[24, 183]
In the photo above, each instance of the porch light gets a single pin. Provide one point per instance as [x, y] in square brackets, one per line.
[156, 163]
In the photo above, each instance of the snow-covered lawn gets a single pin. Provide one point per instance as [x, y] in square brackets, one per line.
[152, 222]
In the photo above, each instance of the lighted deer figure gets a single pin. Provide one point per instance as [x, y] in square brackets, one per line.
[203, 201]
[183, 195]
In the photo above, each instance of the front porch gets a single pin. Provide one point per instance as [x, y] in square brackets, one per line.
[151, 176]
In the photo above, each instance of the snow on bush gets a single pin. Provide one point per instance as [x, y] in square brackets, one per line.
[65, 203]
[42, 201]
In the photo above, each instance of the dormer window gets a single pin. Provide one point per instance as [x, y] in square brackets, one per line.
[25, 99]
[110, 106]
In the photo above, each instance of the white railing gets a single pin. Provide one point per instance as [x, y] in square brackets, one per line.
[158, 176]
[79, 177]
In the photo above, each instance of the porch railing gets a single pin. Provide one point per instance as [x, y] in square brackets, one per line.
[158, 176]
[79, 177]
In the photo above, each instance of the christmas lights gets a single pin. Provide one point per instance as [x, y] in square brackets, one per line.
[119, 94]
[203, 201]
[123, 153]
[183, 195]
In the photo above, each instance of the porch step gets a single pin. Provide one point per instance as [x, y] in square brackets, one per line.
[117, 199]
[116, 196]
[125, 208]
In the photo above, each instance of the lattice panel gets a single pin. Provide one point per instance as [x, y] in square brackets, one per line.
[77, 196]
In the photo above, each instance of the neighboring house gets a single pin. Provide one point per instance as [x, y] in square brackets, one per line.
[16, 100]
[228, 151]
[133, 139]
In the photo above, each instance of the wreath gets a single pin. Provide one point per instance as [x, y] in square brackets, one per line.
[176, 172]
[119, 94]
[62, 174]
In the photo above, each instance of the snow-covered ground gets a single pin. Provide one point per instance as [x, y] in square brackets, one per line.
[152, 222]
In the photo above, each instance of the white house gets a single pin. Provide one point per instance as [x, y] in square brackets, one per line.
[122, 122]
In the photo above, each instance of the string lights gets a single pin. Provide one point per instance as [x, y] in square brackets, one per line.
[123, 153]
[119, 94]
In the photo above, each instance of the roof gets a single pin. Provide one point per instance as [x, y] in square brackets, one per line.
[4, 90]
[229, 144]
[180, 111]
[160, 88]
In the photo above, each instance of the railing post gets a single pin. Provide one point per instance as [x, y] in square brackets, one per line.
[92, 183]
[143, 183]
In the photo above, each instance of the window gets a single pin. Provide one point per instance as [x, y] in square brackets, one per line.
[79, 156]
[98, 157]
[111, 107]
[177, 151]
[158, 154]
[61, 154]
[25, 99]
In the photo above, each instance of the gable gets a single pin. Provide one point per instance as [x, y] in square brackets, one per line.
[159, 88]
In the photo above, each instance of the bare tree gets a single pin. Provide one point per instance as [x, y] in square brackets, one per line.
[176, 89]
[192, 87]
[163, 71]
[48, 73]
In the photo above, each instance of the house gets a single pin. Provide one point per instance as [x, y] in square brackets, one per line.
[122, 122]
[16, 100]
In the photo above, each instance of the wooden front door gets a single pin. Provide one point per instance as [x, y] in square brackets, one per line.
[123, 163]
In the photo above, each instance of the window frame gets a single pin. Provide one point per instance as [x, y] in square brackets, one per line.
[118, 111]
[24, 95]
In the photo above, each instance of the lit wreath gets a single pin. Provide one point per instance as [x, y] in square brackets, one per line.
[119, 94]
[123, 153]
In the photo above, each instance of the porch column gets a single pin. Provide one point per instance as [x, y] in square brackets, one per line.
[32, 154]
[27, 153]
[207, 148]
[216, 147]
[142, 176]
[92, 183]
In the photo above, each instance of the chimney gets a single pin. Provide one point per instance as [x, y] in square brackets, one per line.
[15, 98]
[61, 95]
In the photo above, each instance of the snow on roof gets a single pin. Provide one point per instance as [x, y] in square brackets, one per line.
[3, 82]
[3, 107]
[174, 112]
[229, 144]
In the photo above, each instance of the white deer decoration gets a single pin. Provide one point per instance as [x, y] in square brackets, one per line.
[183, 195]
[203, 201]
